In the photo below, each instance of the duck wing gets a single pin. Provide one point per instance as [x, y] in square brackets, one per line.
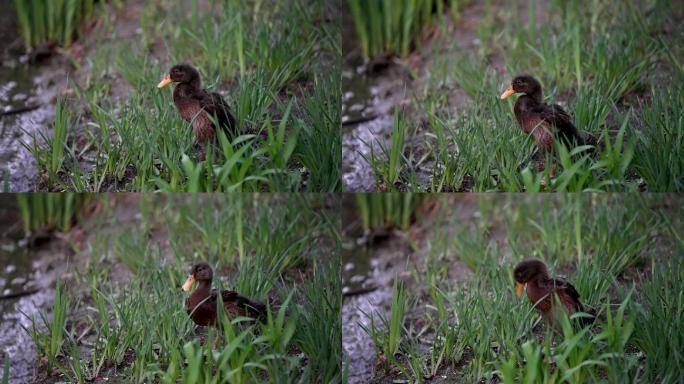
[215, 105]
[245, 306]
[566, 292]
[556, 116]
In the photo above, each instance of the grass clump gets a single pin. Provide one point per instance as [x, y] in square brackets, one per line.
[659, 314]
[388, 333]
[385, 210]
[40, 210]
[50, 343]
[391, 27]
[48, 21]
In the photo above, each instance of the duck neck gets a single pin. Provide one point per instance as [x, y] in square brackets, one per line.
[203, 289]
[187, 89]
[536, 95]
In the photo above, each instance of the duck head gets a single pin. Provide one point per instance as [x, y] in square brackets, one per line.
[183, 74]
[200, 272]
[527, 270]
[523, 84]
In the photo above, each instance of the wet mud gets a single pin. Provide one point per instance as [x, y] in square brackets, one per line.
[370, 264]
[27, 278]
[368, 103]
[369, 96]
[27, 94]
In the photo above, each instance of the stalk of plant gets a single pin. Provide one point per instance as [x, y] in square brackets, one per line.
[44, 21]
[50, 341]
[39, 210]
[390, 27]
[378, 210]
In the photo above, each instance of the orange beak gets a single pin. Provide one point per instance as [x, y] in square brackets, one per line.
[519, 287]
[508, 92]
[188, 283]
[166, 81]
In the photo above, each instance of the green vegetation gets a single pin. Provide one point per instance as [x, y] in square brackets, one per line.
[388, 27]
[379, 210]
[132, 323]
[5, 371]
[623, 253]
[284, 93]
[386, 335]
[616, 68]
[51, 21]
[39, 210]
[50, 343]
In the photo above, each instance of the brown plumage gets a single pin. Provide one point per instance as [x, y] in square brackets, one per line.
[198, 105]
[201, 305]
[542, 289]
[542, 120]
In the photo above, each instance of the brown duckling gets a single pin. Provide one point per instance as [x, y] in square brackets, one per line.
[539, 119]
[198, 105]
[202, 303]
[542, 120]
[541, 289]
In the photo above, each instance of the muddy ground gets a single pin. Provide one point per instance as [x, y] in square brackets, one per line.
[27, 280]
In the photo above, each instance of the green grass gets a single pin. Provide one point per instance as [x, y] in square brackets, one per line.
[5, 371]
[284, 93]
[658, 318]
[48, 21]
[386, 210]
[387, 333]
[619, 251]
[133, 325]
[48, 149]
[615, 70]
[50, 343]
[40, 210]
[392, 27]
[390, 169]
